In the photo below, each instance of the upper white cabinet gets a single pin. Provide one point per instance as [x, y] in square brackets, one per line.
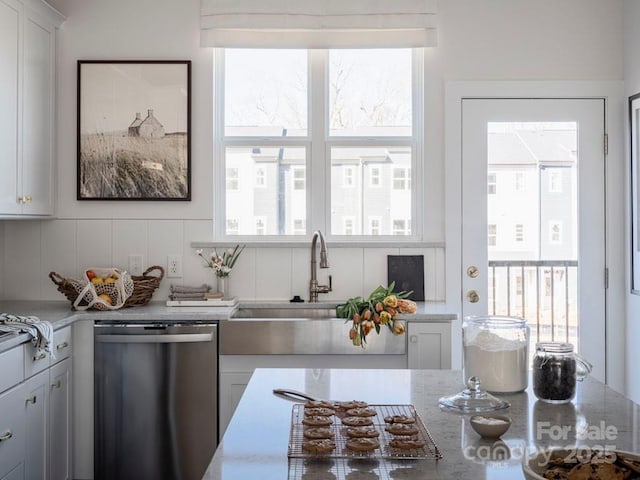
[27, 82]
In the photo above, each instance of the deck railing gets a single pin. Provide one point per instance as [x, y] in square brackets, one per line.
[544, 292]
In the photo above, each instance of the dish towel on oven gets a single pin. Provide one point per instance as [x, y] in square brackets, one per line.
[41, 331]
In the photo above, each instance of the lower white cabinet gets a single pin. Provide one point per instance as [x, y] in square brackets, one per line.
[35, 415]
[232, 385]
[60, 420]
[236, 370]
[37, 425]
[47, 404]
[429, 345]
[12, 431]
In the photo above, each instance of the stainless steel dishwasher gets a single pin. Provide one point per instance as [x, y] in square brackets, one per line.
[156, 413]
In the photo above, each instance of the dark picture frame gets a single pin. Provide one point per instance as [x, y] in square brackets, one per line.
[634, 151]
[134, 130]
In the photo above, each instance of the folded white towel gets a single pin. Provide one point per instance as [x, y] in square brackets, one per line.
[41, 331]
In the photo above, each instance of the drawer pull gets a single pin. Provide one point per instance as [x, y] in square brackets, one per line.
[57, 384]
[62, 345]
[6, 436]
[40, 356]
[31, 399]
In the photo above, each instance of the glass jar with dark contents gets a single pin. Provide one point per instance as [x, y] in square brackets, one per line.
[555, 371]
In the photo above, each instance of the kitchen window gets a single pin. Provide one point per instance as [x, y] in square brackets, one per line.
[330, 129]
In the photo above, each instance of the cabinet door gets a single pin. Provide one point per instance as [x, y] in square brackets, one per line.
[9, 99]
[232, 385]
[37, 136]
[37, 425]
[60, 417]
[12, 434]
[429, 345]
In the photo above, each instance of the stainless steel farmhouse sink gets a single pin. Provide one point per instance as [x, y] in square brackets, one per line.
[298, 330]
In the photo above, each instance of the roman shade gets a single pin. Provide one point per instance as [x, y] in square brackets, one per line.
[318, 23]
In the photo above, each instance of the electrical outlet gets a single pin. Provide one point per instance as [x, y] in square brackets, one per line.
[135, 264]
[174, 266]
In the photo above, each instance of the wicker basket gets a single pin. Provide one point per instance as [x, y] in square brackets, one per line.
[143, 286]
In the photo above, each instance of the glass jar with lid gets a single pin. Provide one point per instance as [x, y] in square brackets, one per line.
[495, 349]
[555, 370]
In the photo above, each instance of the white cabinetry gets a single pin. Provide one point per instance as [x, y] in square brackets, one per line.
[429, 345]
[35, 413]
[27, 82]
[236, 370]
[12, 430]
[37, 424]
[60, 425]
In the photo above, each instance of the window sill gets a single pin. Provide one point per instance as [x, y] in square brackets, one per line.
[304, 243]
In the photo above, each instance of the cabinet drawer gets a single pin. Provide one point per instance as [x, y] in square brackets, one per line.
[61, 344]
[12, 429]
[12, 368]
[34, 363]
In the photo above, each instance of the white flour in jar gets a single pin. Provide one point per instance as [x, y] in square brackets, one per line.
[500, 364]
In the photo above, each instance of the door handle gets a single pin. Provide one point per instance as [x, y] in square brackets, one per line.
[473, 296]
[176, 338]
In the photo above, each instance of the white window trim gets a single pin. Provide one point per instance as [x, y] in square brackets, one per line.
[318, 189]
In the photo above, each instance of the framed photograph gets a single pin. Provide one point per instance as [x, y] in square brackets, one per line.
[134, 123]
[634, 129]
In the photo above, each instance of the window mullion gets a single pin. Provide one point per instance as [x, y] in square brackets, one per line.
[318, 198]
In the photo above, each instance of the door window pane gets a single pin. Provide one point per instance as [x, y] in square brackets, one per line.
[532, 230]
[265, 92]
[370, 92]
[270, 188]
[359, 201]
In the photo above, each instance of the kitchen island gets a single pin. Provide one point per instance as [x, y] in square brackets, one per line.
[256, 441]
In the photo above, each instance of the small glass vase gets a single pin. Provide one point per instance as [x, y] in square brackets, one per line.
[223, 285]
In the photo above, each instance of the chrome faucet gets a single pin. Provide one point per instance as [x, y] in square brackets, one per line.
[314, 288]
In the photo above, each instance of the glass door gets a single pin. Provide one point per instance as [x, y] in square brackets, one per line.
[533, 232]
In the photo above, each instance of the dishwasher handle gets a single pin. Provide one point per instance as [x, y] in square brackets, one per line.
[162, 338]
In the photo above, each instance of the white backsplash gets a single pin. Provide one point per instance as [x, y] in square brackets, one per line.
[34, 248]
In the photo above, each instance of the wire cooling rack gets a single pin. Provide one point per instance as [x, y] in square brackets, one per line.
[429, 451]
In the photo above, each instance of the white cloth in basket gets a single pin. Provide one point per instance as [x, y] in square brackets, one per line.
[41, 331]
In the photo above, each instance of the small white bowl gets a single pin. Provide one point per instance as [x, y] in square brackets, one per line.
[489, 425]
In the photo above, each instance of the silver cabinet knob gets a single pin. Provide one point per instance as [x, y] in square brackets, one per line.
[62, 345]
[6, 435]
[32, 399]
[473, 271]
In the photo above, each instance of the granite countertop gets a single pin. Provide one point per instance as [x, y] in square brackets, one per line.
[256, 441]
[60, 314]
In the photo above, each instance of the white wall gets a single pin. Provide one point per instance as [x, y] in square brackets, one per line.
[478, 40]
[632, 86]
